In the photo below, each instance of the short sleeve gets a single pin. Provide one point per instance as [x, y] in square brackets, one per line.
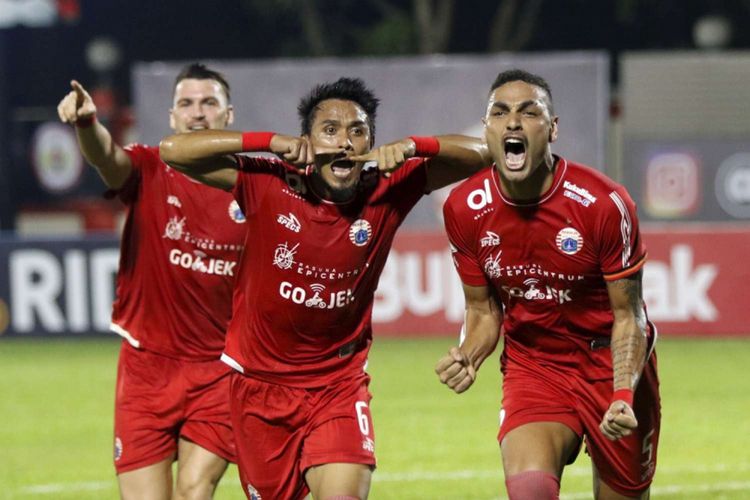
[464, 257]
[254, 178]
[140, 157]
[621, 248]
[408, 184]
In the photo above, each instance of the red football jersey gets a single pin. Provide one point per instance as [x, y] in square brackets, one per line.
[548, 260]
[178, 261]
[303, 302]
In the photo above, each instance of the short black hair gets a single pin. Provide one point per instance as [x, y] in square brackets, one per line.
[199, 71]
[516, 75]
[347, 89]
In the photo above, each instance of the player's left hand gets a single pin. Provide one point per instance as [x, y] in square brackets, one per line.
[389, 157]
[619, 421]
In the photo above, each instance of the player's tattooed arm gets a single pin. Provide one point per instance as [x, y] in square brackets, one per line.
[629, 331]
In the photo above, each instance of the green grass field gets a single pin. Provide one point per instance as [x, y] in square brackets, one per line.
[56, 400]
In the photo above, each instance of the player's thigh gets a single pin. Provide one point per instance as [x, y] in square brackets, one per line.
[339, 480]
[153, 482]
[147, 409]
[198, 471]
[538, 446]
[267, 418]
[207, 412]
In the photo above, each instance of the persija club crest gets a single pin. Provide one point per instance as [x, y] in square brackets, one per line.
[360, 232]
[235, 213]
[569, 241]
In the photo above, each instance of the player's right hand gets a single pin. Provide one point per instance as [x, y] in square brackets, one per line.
[295, 150]
[456, 371]
[76, 105]
[619, 421]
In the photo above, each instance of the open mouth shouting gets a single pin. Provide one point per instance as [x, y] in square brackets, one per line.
[515, 153]
[341, 168]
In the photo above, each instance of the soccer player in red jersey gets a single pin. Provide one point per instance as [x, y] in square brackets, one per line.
[550, 250]
[301, 325]
[178, 257]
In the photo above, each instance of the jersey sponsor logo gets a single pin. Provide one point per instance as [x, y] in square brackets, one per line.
[480, 198]
[579, 194]
[360, 232]
[535, 270]
[283, 257]
[531, 292]
[312, 298]
[200, 263]
[569, 241]
[490, 240]
[492, 265]
[235, 213]
[173, 200]
[174, 228]
[289, 221]
[118, 449]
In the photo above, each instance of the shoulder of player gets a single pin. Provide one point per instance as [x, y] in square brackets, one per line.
[476, 181]
[583, 177]
[259, 164]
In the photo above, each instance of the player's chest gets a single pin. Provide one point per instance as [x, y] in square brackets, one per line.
[319, 240]
[181, 210]
[537, 249]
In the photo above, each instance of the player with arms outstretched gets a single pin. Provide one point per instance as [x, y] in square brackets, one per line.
[551, 251]
[301, 328]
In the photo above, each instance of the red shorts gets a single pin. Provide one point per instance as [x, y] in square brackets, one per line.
[535, 393]
[161, 399]
[281, 431]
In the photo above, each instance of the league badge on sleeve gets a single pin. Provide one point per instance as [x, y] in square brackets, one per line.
[235, 213]
[569, 241]
[360, 232]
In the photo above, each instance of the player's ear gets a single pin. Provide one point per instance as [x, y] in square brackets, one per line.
[553, 129]
[171, 119]
[230, 115]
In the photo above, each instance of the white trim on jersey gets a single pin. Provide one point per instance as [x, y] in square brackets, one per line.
[231, 362]
[114, 327]
[626, 227]
[563, 165]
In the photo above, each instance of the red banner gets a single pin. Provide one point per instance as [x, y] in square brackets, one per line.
[696, 282]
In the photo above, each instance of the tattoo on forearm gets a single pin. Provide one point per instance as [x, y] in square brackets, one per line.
[629, 342]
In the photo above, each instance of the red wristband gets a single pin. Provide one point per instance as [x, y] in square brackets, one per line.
[85, 122]
[623, 395]
[257, 141]
[425, 146]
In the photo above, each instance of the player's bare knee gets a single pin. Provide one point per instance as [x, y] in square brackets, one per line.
[535, 484]
[195, 487]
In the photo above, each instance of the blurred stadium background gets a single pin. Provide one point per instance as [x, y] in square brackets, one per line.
[653, 92]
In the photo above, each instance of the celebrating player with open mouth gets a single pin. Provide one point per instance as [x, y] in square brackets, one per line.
[301, 326]
[550, 250]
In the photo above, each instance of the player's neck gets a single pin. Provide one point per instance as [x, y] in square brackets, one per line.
[534, 186]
